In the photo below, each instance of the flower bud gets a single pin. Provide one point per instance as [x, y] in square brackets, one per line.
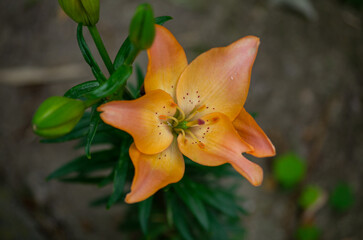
[142, 29]
[86, 12]
[57, 116]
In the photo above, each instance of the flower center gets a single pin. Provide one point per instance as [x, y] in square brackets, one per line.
[180, 124]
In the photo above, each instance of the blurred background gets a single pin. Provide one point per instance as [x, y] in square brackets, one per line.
[306, 91]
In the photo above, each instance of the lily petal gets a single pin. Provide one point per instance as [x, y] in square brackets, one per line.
[218, 143]
[218, 79]
[140, 118]
[251, 133]
[167, 61]
[153, 172]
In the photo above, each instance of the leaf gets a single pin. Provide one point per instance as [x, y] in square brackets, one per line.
[87, 55]
[194, 203]
[107, 179]
[101, 160]
[79, 90]
[162, 19]
[120, 175]
[99, 201]
[178, 216]
[83, 180]
[144, 213]
[140, 80]
[95, 120]
[224, 202]
[116, 80]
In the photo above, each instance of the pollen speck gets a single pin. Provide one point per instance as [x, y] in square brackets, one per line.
[173, 104]
[201, 145]
[163, 117]
[215, 119]
[201, 121]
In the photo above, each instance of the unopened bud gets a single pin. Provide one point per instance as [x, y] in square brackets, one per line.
[57, 116]
[142, 29]
[86, 12]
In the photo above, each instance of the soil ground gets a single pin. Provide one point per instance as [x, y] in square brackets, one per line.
[306, 88]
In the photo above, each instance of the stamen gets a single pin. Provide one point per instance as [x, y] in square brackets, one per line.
[194, 123]
[181, 112]
[180, 130]
[200, 144]
[195, 111]
[164, 117]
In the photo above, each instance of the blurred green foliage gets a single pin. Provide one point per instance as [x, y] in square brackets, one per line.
[309, 196]
[342, 197]
[308, 232]
[289, 170]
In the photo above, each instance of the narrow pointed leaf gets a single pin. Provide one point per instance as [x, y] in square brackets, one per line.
[162, 19]
[95, 120]
[79, 90]
[115, 82]
[101, 160]
[144, 213]
[194, 203]
[87, 55]
[120, 175]
[83, 180]
[178, 216]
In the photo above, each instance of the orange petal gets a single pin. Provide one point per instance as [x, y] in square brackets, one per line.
[153, 172]
[251, 133]
[140, 118]
[218, 143]
[218, 79]
[167, 61]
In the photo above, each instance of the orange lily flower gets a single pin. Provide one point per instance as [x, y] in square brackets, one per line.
[195, 110]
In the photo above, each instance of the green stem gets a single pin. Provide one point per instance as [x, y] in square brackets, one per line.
[101, 48]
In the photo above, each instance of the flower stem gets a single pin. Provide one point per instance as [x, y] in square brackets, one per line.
[101, 48]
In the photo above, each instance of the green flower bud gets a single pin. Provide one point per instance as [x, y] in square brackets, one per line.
[86, 12]
[57, 116]
[142, 29]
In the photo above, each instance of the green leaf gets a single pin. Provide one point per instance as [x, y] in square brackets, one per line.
[178, 216]
[124, 52]
[120, 175]
[140, 80]
[95, 120]
[162, 19]
[99, 201]
[107, 180]
[79, 90]
[289, 170]
[87, 55]
[194, 203]
[100, 160]
[115, 82]
[144, 213]
[84, 179]
[223, 201]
